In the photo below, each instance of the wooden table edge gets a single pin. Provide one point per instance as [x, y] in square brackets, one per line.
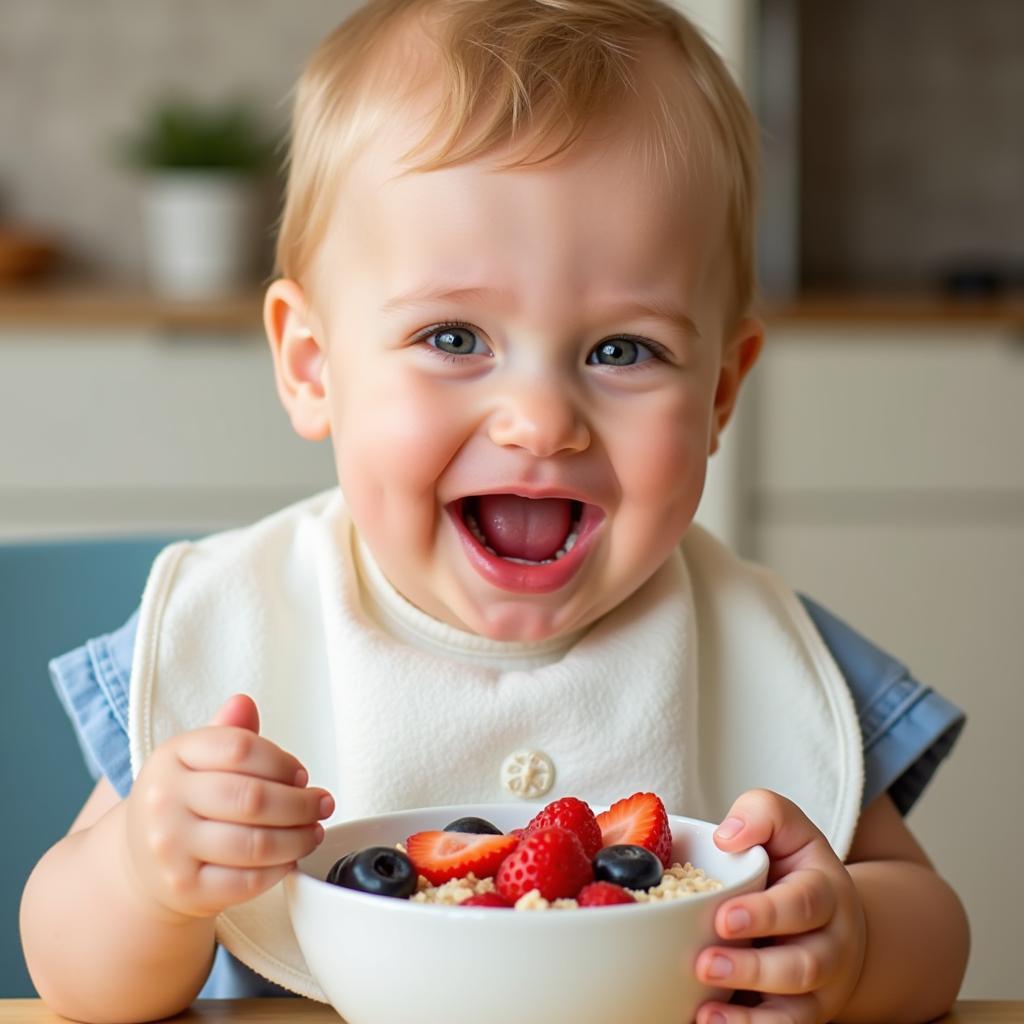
[286, 1011]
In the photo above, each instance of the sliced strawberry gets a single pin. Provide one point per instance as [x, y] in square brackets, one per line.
[641, 820]
[576, 816]
[441, 856]
[603, 894]
[486, 899]
[551, 859]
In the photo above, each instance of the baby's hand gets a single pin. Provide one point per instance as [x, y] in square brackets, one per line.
[810, 912]
[219, 815]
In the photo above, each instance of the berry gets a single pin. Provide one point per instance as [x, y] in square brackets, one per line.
[334, 875]
[474, 826]
[440, 856]
[551, 859]
[603, 894]
[379, 870]
[486, 899]
[638, 820]
[576, 816]
[632, 867]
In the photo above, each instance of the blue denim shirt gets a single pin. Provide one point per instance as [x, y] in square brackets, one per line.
[907, 729]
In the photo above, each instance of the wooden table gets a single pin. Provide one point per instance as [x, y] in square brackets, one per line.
[287, 1011]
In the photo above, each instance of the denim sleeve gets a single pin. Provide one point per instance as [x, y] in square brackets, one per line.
[92, 684]
[907, 728]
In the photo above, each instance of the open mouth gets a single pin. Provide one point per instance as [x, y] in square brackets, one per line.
[525, 544]
[518, 533]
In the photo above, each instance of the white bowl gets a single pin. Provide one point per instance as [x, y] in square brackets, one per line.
[391, 961]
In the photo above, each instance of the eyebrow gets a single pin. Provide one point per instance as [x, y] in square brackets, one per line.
[628, 310]
[424, 296]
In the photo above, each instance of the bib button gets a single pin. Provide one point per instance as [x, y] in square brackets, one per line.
[527, 774]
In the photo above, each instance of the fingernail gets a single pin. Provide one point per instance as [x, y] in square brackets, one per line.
[301, 777]
[715, 1017]
[737, 919]
[318, 831]
[729, 828]
[720, 967]
[326, 806]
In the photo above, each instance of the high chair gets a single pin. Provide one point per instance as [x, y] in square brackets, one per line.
[54, 596]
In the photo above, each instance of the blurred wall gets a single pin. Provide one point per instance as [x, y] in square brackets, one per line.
[912, 155]
[75, 77]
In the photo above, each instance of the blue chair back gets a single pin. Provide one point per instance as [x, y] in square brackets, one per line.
[53, 597]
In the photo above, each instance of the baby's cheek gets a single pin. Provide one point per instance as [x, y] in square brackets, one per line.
[390, 451]
[667, 464]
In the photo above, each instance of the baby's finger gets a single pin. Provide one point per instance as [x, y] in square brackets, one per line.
[761, 817]
[245, 846]
[247, 800]
[219, 887]
[790, 968]
[801, 902]
[777, 1010]
[224, 748]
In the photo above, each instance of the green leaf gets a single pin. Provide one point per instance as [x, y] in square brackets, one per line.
[180, 133]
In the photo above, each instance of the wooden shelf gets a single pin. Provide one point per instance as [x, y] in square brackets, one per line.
[106, 305]
[87, 306]
[852, 308]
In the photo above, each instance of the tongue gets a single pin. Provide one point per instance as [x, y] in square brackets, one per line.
[532, 528]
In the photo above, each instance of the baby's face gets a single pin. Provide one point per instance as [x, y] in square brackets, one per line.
[527, 356]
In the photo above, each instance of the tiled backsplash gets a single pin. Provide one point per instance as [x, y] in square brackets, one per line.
[75, 76]
[913, 152]
[913, 138]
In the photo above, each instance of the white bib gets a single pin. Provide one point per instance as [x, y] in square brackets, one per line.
[708, 681]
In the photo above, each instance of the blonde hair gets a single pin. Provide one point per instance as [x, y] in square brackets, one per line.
[511, 69]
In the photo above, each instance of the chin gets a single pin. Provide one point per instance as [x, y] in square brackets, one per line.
[519, 623]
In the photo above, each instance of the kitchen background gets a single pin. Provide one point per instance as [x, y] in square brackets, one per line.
[876, 462]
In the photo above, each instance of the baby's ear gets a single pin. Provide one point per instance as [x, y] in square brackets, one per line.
[739, 355]
[300, 360]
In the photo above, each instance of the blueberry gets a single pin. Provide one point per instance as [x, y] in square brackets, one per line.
[630, 866]
[475, 826]
[380, 870]
[334, 875]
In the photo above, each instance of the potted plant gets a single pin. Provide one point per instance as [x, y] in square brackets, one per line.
[201, 208]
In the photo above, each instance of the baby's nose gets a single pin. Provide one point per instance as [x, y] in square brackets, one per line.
[543, 420]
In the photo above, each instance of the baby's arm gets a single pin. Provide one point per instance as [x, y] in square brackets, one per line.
[880, 939]
[117, 919]
[918, 936]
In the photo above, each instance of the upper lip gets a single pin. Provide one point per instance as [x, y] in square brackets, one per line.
[533, 491]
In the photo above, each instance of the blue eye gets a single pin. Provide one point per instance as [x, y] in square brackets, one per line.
[619, 352]
[455, 340]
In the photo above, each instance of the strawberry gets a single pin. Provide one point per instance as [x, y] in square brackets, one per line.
[576, 816]
[440, 856]
[640, 820]
[551, 859]
[486, 899]
[603, 894]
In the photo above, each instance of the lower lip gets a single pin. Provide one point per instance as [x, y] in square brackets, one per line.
[528, 579]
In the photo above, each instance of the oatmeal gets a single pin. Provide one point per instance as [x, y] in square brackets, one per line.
[563, 858]
[678, 881]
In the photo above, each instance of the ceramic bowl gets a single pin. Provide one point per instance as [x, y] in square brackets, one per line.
[391, 961]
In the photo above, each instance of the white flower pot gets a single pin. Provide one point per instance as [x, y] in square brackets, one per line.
[201, 232]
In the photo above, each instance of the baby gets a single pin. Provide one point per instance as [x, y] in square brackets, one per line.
[515, 291]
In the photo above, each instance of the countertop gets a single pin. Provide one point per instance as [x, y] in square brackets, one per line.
[98, 306]
[301, 1011]
[62, 304]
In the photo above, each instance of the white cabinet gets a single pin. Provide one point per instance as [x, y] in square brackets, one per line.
[907, 411]
[728, 25]
[887, 481]
[135, 430]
